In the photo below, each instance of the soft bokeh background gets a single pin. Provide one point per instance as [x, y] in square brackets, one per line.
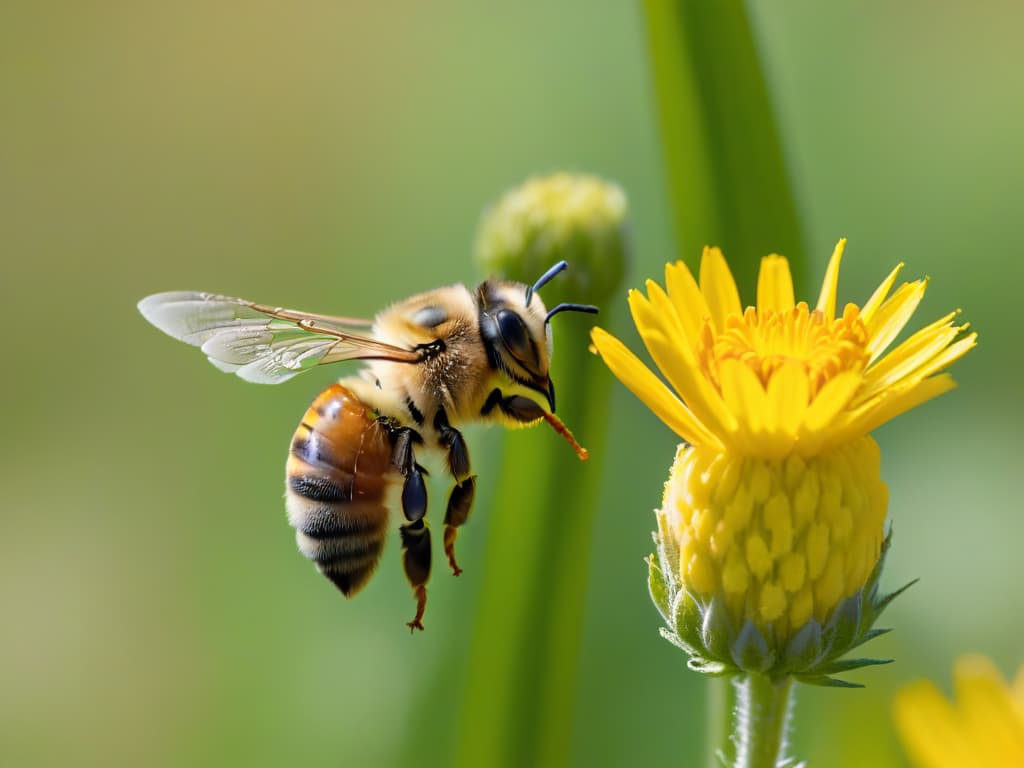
[336, 156]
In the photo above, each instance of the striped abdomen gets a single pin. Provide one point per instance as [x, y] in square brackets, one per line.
[338, 473]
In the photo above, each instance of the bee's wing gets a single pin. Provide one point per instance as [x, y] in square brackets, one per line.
[265, 345]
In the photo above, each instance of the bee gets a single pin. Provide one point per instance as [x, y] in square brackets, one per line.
[433, 362]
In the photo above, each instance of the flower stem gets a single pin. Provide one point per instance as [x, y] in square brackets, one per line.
[721, 703]
[761, 719]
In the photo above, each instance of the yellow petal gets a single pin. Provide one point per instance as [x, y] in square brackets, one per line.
[990, 718]
[666, 313]
[891, 403]
[908, 357]
[745, 397]
[689, 302]
[948, 356]
[831, 399]
[895, 313]
[676, 361]
[789, 393]
[929, 727]
[649, 388]
[774, 285]
[872, 305]
[827, 298]
[1018, 690]
[718, 287]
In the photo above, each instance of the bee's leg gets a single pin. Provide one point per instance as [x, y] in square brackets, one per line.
[452, 441]
[461, 499]
[459, 504]
[414, 490]
[415, 534]
[416, 560]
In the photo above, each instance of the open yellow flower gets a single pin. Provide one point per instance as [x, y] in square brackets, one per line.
[983, 728]
[775, 508]
[780, 378]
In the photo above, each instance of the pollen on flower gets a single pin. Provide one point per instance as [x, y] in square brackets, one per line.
[764, 342]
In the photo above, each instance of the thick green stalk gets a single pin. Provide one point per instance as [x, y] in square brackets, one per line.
[522, 667]
[722, 152]
[522, 671]
[760, 721]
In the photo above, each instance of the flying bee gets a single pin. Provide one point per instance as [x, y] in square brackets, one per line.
[433, 362]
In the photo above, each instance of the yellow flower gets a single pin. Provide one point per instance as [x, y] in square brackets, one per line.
[780, 378]
[774, 511]
[984, 728]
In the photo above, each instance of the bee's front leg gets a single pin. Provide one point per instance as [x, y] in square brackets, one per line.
[460, 501]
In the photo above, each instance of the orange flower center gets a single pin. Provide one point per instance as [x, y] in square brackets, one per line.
[766, 341]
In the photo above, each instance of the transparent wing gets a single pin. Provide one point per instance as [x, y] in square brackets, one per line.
[262, 344]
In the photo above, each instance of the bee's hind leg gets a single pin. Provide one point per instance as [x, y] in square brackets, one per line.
[459, 504]
[416, 560]
[415, 534]
[460, 501]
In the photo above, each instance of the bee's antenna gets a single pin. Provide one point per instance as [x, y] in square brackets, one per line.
[588, 308]
[544, 280]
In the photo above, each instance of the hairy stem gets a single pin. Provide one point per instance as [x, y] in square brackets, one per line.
[760, 720]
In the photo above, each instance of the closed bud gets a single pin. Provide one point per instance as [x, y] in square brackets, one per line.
[575, 217]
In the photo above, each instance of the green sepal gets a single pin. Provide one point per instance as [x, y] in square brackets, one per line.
[659, 590]
[705, 629]
[751, 651]
[844, 625]
[677, 641]
[688, 621]
[871, 634]
[827, 682]
[804, 649]
[717, 632]
[883, 602]
[708, 667]
[845, 665]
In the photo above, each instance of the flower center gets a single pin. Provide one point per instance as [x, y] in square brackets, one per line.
[766, 341]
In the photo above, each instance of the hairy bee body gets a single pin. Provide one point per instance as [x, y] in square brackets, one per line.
[338, 475]
[434, 361]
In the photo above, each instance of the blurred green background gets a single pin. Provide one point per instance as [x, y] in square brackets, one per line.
[337, 156]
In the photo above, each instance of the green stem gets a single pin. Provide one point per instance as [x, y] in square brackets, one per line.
[723, 155]
[761, 720]
[720, 708]
[522, 668]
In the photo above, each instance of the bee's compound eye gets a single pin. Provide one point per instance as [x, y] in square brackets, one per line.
[513, 333]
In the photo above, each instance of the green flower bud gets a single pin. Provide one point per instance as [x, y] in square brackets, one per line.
[575, 217]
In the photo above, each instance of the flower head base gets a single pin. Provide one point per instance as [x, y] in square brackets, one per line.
[770, 535]
[984, 728]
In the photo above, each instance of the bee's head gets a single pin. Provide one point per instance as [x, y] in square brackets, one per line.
[516, 331]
